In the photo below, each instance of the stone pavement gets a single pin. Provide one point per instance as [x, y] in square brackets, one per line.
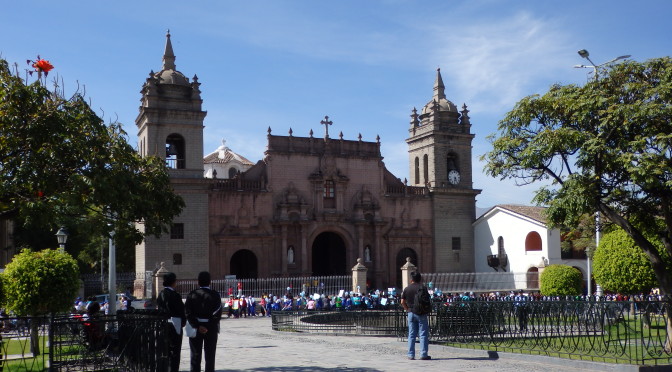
[249, 344]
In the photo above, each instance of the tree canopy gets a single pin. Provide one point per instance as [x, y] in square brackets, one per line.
[60, 162]
[605, 146]
[560, 280]
[38, 283]
[620, 266]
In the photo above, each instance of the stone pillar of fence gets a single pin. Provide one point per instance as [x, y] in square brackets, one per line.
[158, 280]
[359, 277]
[406, 271]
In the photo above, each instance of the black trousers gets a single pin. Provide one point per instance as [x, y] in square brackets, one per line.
[174, 347]
[203, 342]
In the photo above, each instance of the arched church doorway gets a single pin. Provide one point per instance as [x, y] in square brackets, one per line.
[533, 278]
[329, 255]
[244, 264]
[401, 261]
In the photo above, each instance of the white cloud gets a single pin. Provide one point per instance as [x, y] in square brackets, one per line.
[494, 64]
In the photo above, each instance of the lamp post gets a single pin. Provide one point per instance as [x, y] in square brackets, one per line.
[62, 237]
[585, 54]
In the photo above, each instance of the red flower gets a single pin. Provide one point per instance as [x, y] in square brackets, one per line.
[42, 65]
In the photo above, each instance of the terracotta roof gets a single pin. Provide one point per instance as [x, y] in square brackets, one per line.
[535, 213]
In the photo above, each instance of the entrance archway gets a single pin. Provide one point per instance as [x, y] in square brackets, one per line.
[329, 255]
[533, 278]
[244, 264]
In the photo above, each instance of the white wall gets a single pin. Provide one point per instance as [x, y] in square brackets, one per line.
[514, 229]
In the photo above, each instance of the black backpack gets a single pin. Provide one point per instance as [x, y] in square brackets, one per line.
[422, 304]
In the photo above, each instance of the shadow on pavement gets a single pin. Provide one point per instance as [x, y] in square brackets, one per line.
[302, 369]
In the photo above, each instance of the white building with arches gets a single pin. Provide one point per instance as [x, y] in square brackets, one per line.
[516, 238]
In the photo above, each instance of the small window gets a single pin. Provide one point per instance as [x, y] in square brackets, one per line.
[425, 168]
[329, 189]
[533, 242]
[232, 172]
[417, 170]
[500, 246]
[457, 243]
[177, 259]
[177, 231]
[329, 194]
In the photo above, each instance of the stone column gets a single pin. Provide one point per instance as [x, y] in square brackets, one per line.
[406, 271]
[158, 281]
[359, 277]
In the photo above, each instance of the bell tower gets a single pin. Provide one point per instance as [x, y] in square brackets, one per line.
[170, 127]
[439, 148]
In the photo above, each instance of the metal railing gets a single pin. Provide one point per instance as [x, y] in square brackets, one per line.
[129, 341]
[21, 351]
[604, 331]
[95, 284]
[483, 281]
[276, 286]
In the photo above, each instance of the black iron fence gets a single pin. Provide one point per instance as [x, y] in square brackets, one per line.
[605, 331]
[95, 284]
[276, 286]
[129, 341]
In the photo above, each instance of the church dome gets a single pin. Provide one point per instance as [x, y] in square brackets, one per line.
[171, 77]
[438, 98]
[169, 73]
[444, 105]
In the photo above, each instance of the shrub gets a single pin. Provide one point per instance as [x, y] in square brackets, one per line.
[560, 280]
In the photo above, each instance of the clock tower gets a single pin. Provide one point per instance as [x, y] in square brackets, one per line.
[170, 127]
[439, 148]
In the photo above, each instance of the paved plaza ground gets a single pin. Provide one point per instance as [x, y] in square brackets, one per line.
[249, 344]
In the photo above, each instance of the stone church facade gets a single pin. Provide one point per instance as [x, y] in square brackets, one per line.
[313, 205]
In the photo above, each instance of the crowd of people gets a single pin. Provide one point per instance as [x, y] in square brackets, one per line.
[241, 306]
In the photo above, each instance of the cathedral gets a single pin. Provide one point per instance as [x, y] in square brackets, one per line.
[313, 205]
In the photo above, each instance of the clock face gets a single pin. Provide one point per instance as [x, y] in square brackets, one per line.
[454, 177]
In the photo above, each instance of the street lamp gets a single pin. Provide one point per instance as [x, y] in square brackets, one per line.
[62, 237]
[584, 54]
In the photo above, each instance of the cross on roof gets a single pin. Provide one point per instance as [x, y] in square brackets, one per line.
[326, 122]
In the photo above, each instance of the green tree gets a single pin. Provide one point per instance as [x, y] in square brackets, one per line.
[39, 283]
[60, 163]
[605, 146]
[560, 280]
[620, 266]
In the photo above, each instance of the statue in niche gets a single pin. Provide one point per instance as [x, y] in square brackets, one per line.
[367, 254]
[290, 255]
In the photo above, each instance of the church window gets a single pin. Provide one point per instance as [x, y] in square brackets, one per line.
[232, 172]
[177, 259]
[500, 246]
[177, 231]
[457, 243]
[533, 242]
[329, 189]
[417, 170]
[329, 194]
[425, 168]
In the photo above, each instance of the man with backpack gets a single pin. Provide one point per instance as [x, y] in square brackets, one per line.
[416, 301]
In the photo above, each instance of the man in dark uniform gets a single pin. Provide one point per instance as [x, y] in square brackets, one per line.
[170, 302]
[204, 311]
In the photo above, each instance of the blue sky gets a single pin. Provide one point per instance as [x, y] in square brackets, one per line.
[366, 64]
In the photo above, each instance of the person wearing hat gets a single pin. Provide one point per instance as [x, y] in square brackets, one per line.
[170, 303]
